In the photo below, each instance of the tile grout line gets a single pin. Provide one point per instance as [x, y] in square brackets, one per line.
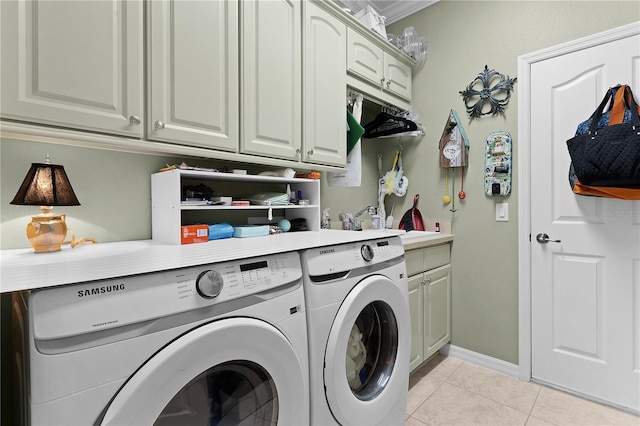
[495, 401]
[535, 401]
[444, 380]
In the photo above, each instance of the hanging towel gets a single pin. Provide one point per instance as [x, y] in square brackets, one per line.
[353, 175]
[355, 132]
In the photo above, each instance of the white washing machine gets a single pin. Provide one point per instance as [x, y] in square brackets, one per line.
[359, 332]
[219, 344]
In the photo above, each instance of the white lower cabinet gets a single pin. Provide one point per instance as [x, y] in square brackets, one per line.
[429, 271]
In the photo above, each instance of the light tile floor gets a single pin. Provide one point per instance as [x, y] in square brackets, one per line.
[449, 391]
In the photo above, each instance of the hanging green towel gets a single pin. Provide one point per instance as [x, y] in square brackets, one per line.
[355, 131]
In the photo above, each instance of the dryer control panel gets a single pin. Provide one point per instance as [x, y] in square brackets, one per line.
[345, 257]
[100, 305]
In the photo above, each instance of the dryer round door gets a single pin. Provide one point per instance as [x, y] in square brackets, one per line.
[231, 371]
[367, 354]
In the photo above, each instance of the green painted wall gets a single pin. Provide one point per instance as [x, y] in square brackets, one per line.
[463, 37]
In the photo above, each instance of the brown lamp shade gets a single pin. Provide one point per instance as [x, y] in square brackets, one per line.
[46, 185]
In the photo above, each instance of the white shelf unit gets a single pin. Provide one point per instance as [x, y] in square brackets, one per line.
[169, 213]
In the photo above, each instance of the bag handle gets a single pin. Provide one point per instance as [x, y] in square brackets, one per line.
[595, 117]
[621, 103]
[635, 109]
[612, 90]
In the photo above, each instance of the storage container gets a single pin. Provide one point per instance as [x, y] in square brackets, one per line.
[371, 19]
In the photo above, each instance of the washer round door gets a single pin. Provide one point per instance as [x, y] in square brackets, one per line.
[230, 371]
[367, 354]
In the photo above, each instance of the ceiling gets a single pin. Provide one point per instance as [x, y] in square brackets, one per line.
[393, 10]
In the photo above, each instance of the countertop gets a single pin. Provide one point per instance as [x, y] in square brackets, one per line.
[22, 269]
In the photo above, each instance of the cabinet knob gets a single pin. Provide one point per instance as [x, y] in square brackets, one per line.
[310, 152]
[158, 125]
[388, 83]
[382, 81]
[298, 151]
[134, 120]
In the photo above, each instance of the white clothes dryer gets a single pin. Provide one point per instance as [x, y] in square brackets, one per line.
[359, 332]
[218, 344]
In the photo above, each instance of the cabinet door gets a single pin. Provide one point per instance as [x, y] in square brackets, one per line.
[397, 77]
[416, 310]
[271, 78]
[193, 73]
[325, 86]
[437, 299]
[364, 59]
[74, 64]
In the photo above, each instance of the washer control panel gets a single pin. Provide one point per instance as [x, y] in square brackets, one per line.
[121, 301]
[345, 257]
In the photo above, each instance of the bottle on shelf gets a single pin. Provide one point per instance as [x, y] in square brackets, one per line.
[326, 221]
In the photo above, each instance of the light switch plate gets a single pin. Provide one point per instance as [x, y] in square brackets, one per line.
[502, 212]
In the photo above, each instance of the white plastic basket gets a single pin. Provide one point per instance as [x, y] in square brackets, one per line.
[371, 19]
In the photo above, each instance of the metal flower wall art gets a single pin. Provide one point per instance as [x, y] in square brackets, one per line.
[480, 91]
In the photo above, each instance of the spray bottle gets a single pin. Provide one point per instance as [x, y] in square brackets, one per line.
[326, 221]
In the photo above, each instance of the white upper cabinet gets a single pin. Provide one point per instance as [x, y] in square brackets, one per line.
[397, 77]
[192, 77]
[74, 64]
[365, 59]
[383, 74]
[325, 110]
[271, 78]
[257, 81]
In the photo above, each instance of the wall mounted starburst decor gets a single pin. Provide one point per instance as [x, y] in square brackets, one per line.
[480, 91]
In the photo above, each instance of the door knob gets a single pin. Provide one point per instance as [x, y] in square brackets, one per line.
[544, 239]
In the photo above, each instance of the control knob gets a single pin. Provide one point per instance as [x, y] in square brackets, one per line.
[367, 252]
[209, 284]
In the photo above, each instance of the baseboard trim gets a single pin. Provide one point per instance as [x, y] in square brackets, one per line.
[482, 360]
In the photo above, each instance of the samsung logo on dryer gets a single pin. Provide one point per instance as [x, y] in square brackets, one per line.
[100, 290]
[327, 251]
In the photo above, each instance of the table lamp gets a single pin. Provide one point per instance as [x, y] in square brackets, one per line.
[46, 185]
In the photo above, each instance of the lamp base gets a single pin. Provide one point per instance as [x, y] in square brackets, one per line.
[46, 232]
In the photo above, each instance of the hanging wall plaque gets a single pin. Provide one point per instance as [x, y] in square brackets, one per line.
[485, 89]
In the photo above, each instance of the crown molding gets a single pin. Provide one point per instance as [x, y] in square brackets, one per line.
[392, 10]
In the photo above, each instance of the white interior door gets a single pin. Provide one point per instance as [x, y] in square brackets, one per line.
[585, 289]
